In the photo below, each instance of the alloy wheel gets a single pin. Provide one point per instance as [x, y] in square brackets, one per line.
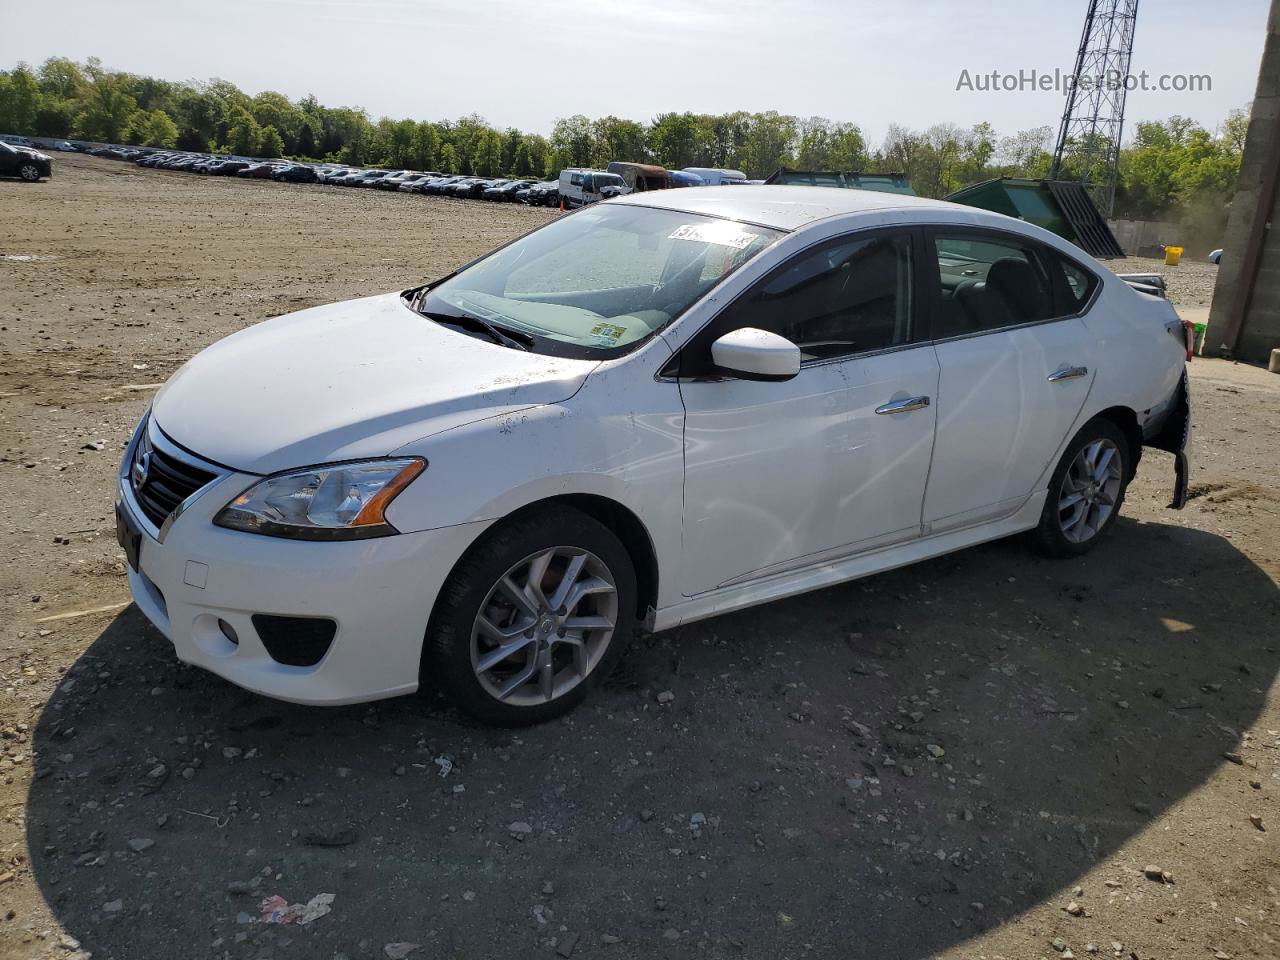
[1090, 490]
[29, 172]
[544, 626]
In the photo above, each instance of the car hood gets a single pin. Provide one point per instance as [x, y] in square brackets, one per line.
[344, 381]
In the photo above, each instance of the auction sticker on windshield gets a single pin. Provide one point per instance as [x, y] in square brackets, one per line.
[721, 234]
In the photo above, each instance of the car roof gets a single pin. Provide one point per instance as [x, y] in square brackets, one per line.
[781, 207]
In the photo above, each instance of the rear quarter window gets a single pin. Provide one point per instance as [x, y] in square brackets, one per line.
[1074, 286]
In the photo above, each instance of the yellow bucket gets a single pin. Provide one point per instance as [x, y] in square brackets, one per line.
[1172, 256]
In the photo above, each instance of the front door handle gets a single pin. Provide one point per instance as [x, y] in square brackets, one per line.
[903, 406]
[1068, 373]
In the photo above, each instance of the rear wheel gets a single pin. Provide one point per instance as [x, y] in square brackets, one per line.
[532, 618]
[29, 172]
[1086, 491]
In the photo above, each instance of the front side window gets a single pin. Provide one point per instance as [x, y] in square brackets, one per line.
[847, 297]
[989, 284]
[598, 282]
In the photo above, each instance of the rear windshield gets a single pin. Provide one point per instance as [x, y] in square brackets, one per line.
[600, 281]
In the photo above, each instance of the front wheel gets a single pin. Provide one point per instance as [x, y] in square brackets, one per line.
[29, 172]
[533, 616]
[1086, 491]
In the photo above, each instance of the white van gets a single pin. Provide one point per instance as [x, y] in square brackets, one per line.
[714, 177]
[578, 187]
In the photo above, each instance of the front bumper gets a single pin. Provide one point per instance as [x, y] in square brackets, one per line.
[379, 592]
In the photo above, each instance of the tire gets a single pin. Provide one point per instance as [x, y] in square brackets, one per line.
[29, 172]
[1080, 508]
[556, 655]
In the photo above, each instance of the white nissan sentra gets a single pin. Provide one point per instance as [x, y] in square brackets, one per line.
[654, 410]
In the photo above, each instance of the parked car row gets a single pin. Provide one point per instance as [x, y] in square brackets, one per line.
[430, 182]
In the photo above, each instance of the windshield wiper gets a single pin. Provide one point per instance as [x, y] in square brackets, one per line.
[499, 335]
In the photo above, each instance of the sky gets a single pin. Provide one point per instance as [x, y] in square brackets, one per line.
[524, 63]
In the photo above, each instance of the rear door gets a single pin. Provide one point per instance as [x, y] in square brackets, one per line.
[1016, 365]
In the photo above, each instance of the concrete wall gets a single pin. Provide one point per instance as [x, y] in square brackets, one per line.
[1142, 238]
[1245, 318]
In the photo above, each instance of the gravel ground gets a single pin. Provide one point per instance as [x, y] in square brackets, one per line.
[989, 755]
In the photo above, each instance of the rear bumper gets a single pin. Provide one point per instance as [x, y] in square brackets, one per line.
[378, 592]
[1171, 431]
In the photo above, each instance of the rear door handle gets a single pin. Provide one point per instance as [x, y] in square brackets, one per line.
[903, 406]
[1068, 373]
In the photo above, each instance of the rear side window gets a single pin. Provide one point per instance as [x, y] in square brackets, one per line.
[1074, 284]
[989, 284]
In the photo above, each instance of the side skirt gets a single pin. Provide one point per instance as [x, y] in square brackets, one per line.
[829, 573]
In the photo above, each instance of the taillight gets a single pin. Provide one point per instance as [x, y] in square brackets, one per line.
[1189, 329]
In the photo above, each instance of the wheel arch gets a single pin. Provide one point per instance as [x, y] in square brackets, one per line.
[1126, 421]
[628, 528]
[619, 519]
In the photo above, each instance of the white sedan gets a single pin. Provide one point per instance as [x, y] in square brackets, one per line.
[653, 410]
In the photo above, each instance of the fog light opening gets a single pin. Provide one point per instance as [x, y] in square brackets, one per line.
[228, 631]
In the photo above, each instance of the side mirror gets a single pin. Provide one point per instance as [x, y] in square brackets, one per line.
[754, 354]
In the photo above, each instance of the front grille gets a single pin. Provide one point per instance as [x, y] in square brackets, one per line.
[161, 481]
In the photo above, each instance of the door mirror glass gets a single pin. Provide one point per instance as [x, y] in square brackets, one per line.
[752, 354]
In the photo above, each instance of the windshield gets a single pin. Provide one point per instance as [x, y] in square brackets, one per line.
[598, 282]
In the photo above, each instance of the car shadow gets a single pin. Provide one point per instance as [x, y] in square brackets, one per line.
[898, 763]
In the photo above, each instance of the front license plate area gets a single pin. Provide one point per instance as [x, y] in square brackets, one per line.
[128, 536]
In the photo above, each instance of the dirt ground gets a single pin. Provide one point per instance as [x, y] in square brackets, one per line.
[975, 757]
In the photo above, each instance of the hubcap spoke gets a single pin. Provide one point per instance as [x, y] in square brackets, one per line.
[545, 626]
[517, 596]
[498, 654]
[537, 571]
[500, 634]
[519, 679]
[588, 623]
[1100, 472]
[547, 677]
[585, 588]
[1090, 490]
[571, 574]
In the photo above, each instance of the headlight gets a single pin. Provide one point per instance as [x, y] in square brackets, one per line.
[345, 501]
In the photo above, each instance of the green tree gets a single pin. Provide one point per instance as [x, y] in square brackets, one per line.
[616, 139]
[573, 141]
[62, 79]
[425, 146]
[768, 145]
[108, 106]
[243, 134]
[522, 163]
[488, 156]
[55, 118]
[674, 139]
[19, 100]
[448, 159]
[271, 109]
[306, 146]
[270, 143]
[153, 128]
[395, 141]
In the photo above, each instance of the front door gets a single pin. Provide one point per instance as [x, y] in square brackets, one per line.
[783, 475]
